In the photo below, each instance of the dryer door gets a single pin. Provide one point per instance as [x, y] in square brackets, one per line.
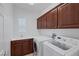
[34, 48]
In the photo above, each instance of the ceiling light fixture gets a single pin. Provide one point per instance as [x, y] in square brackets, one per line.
[31, 3]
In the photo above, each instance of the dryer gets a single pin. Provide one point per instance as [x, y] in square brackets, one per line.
[38, 45]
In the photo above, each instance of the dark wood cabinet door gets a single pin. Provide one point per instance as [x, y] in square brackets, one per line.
[39, 23]
[16, 48]
[68, 15]
[12, 49]
[30, 45]
[44, 21]
[27, 46]
[52, 19]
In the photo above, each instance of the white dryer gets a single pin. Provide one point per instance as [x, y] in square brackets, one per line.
[38, 49]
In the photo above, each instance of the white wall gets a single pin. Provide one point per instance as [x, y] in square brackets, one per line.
[74, 33]
[30, 22]
[48, 8]
[1, 30]
[8, 26]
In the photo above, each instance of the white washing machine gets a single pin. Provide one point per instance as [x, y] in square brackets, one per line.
[39, 41]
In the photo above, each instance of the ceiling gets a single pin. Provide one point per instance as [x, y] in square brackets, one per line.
[36, 7]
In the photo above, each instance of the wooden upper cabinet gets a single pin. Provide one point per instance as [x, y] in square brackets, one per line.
[52, 19]
[39, 23]
[63, 16]
[68, 15]
[48, 21]
[44, 22]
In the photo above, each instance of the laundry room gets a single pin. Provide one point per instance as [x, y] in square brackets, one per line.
[39, 29]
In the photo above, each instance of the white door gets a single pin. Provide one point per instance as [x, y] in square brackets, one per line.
[1, 34]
